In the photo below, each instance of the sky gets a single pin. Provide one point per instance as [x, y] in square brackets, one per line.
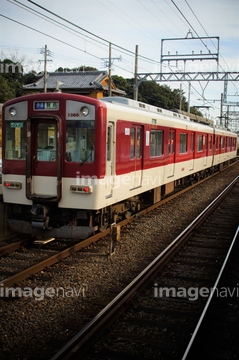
[78, 32]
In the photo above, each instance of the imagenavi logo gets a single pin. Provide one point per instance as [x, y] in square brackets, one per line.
[40, 293]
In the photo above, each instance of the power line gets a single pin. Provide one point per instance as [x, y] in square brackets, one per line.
[52, 21]
[208, 36]
[59, 24]
[190, 25]
[196, 17]
[61, 41]
[89, 32]
[50, 36]
[132, 20]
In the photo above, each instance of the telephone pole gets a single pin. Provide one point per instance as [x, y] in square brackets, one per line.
[135, 73]
[108, 63]
[46, 53]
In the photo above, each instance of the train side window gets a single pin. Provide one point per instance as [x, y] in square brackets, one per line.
[200, 142]
[135, 142]
[108, 144]
[205, 142]
[222, 142]
[132, 143]
[183, 143]
[138, 143]
[171, 141]
[192, 142]
[229, 143]
[210, 142]
[156, 143]
[15, 147]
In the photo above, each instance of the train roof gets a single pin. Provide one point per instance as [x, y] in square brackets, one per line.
[178, 114]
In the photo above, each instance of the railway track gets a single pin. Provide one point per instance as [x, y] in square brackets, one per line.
[214, 335]
[19, 259]
[32, 259]
[165, 301]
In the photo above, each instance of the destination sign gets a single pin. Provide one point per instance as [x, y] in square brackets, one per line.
[16, 124]
[46, 105]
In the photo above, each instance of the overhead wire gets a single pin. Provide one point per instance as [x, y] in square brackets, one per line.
[90, 36]
[65, 43]
[209, 37]
[124, 50]
[133, 21]
[52, 21]
[57, 23]
[45, 34]
[89, 32]
[191, 26]
[103, 41]
[199, 37]
[99, 37]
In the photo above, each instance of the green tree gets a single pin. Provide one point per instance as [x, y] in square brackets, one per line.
[152, 93]
[30, 78]
[6, 91]
[80, 68]
[124, 84]
[194, 110]
[12, 73]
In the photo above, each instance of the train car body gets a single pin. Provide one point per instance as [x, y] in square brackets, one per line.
[73, 164]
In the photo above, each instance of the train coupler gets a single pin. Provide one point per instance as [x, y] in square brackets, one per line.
[40, 220]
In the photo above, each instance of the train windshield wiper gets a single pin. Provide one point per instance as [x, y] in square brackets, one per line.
[87, 158]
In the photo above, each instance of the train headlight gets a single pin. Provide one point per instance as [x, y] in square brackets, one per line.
[12, 111]
[84, 111]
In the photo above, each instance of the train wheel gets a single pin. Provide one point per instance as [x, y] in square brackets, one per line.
[127, 214]
[104, 220]
[103, 227]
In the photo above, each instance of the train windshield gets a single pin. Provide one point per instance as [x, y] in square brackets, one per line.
[15, 145]
[80, 139]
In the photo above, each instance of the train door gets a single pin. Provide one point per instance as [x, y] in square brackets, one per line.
[171, 153]
[110, 168]
[136, 146]
[43, 166]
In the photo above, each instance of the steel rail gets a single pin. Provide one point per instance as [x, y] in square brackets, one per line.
[210, 298]
[6, 249]
[51, 260]
[106, 316]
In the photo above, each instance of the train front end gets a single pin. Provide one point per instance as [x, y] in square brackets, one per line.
[52, 160]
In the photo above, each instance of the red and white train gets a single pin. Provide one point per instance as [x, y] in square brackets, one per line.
[73, 164]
